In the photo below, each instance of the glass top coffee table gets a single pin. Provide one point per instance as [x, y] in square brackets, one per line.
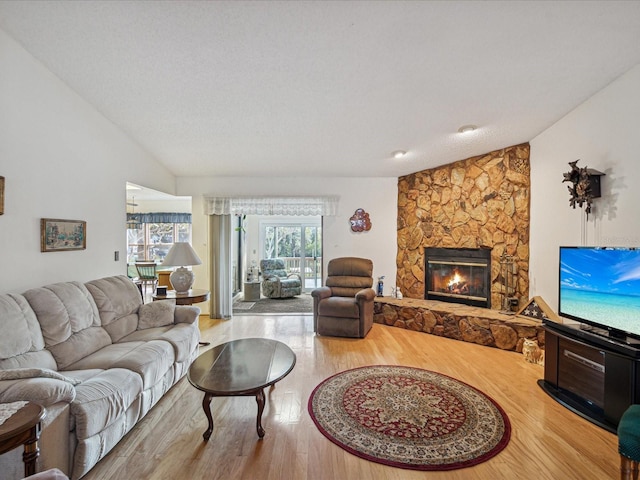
[242, 367]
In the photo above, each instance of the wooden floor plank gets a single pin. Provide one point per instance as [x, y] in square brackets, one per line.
[548, 441]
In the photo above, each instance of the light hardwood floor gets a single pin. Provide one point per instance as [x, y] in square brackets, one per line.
[547, 441]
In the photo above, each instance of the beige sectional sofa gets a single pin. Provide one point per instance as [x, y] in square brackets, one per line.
[96, 357]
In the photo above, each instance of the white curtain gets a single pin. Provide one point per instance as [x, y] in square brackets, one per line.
[220, 268]
[323, 206]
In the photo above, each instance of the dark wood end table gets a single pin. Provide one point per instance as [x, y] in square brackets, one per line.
[242, 367]
[23, 428]
[192, 296]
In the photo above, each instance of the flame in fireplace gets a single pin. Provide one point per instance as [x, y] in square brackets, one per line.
[455, 280]
[458, 284]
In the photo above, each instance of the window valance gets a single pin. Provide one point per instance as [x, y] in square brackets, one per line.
[324, 205]
[159, 217]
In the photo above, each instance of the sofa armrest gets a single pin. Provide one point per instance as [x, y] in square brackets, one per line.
[294, 276]
[320, 293]
[367, 294]
[43, 391]
[186, 314]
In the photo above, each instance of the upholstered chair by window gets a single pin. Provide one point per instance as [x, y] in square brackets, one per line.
[276, 283]
[344, 307]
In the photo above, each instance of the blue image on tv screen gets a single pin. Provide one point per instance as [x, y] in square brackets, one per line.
[601, 286]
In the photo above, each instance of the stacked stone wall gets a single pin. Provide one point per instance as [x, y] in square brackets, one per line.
[480, 202]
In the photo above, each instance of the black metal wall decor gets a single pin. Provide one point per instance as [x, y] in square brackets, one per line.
[585, 185]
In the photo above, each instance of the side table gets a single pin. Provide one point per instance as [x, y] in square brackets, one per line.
[23, 428]
[189, 298]
[251, 291]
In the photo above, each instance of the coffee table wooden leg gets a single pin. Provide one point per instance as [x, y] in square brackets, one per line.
[260, 401]
[206, 406]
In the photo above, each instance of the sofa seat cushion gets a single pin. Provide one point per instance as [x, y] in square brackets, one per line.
[345, 307]
[150, 360]
[103, 399]
[183, 337]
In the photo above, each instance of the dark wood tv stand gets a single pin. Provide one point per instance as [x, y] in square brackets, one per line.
[594, 376]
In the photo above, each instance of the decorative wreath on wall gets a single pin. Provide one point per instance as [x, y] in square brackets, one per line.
[580, 188]
[360, 221]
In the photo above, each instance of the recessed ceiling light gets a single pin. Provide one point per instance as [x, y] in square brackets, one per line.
[398, 153]
[467, 128]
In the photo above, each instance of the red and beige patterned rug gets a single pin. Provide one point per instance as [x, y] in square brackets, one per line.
[409, 418]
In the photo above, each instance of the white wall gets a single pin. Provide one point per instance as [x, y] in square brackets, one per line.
[378, 197]
[170, 204]
[603, 134]
[61, 159]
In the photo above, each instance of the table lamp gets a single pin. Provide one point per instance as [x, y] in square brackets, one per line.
[180, 255]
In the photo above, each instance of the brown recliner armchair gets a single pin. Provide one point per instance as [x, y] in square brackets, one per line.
[344, 307]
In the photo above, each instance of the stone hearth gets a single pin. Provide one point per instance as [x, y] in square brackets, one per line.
[460, 322]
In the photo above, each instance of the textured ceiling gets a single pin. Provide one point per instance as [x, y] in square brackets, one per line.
[328, 88]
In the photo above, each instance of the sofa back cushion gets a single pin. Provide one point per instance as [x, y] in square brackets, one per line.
[118, 301]
[69, 321]
[21, 341]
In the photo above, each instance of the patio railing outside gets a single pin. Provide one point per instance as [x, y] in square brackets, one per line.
[313, 266]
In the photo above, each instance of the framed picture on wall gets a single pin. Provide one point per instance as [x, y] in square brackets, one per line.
[62, 235]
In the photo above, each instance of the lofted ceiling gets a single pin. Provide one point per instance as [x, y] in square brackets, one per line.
[328, 88]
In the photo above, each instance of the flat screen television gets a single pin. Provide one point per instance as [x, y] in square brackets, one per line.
[600, 287]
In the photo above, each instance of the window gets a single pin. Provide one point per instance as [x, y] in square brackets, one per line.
[150, 241]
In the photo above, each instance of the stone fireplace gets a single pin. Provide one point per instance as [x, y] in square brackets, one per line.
[458, 275]
[478, 203]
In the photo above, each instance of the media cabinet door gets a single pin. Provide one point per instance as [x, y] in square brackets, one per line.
[581, 370]
[618, 386]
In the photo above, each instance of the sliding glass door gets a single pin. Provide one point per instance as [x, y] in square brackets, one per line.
[299, 244]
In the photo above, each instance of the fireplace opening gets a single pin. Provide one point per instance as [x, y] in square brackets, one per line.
[458, 275]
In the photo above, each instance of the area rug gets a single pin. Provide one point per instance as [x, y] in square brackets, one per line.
[409, 418]
[243, 305]
[302, 303]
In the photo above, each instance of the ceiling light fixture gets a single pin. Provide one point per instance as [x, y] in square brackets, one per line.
[398, 153]
[467, 128]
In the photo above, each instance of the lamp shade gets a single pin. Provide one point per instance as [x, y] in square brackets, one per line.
[181, 254]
